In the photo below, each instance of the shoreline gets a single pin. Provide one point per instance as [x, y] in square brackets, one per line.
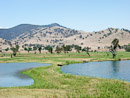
[53, 82]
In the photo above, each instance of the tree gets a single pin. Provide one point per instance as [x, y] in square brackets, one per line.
[78, 48]
[83, 49]
[50, 49]
[58, 49]
[114, 46]
[87, 51]
[127, 48]
[34, 49]
[25, 49]
[47, 47]
[68, 48]
[28, 49]
[64, 48]
[15, 49]
[3, 54]
[39, 49]
[6, 49]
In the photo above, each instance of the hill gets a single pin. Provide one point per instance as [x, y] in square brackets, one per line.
[55, 34]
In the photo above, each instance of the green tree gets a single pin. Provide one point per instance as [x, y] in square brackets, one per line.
[127, 48]
[39, 49]
[58, 49]
[28, 49]
[87, 50]
[78, 48]
[114, 46]
[7, 49]
[25, 49]
[50, 49]
[47, 47]
[15, 49]
[68, 48]
[84, 49]
[64, 48]
[34, 49]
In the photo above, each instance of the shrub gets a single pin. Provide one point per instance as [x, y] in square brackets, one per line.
[127, 48]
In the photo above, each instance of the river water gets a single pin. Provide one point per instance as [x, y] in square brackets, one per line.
[11, 76]
[106, 69]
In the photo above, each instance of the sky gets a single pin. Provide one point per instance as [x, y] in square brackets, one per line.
[86, 15]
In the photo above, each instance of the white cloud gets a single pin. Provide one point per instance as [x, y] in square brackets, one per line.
[3, 27]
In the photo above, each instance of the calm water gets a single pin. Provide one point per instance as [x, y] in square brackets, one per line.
[107, 69]
[10, 74]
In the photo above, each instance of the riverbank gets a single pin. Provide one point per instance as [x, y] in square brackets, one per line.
[50, 82]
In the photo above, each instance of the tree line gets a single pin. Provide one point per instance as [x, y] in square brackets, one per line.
[64, 48]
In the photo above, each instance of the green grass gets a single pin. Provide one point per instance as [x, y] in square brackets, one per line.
[59, 85]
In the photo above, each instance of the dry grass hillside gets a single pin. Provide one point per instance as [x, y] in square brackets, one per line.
[56, 34]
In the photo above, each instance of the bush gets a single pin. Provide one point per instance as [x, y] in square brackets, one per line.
[127, 48]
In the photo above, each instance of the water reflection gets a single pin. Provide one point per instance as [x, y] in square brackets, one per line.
[21, 76]
[115, 66]
[107, 69]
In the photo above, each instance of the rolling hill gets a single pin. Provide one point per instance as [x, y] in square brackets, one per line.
[55, 34]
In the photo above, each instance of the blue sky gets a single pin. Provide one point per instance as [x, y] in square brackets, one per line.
[87, 15]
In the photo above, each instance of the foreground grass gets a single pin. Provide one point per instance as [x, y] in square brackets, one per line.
[50, 82]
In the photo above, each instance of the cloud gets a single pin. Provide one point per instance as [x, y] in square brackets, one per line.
[3, 27]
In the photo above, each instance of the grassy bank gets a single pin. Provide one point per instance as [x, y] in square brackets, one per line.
[50, 82]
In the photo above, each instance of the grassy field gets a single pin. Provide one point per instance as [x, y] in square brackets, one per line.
[50, 82]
